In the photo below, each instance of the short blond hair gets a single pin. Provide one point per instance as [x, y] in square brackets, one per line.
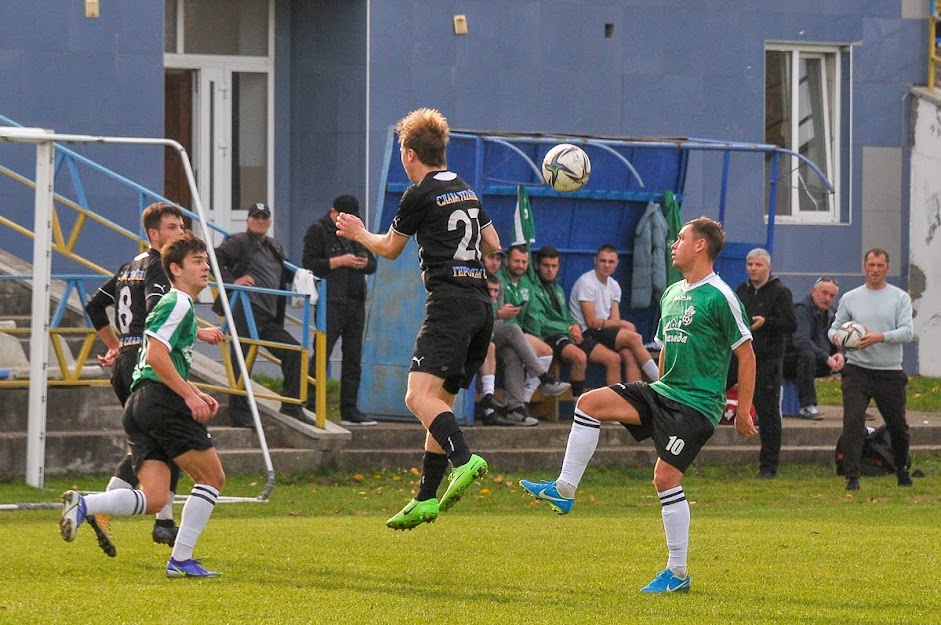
[426, 131]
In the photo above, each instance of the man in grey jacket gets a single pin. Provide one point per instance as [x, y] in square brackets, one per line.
[874, 369]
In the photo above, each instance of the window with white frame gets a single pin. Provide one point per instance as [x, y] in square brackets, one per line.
[802, 114]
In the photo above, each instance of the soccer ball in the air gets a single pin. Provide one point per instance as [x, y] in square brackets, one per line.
[849, 334]
[566, 168]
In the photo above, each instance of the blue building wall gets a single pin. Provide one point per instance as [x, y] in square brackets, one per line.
[103, 76]
[673, 69]
[669, 68]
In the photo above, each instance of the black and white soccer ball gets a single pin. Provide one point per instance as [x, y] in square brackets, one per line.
[849, 335]
[566, 168]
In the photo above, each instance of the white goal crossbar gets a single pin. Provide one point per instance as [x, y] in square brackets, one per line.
[42, 268]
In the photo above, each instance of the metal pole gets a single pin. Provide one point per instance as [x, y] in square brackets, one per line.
[39, 335]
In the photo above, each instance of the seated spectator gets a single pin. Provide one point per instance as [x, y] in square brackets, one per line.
[548, 317]
[810, 354]
[595, 304]
[518, 359]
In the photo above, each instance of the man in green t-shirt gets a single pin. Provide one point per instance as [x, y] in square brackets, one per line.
[165, 418]
[702, 323]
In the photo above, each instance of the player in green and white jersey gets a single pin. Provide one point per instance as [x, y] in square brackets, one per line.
[702, 324]
[165, 418]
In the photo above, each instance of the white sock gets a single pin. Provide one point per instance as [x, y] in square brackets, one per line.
[675, 513]
[116, 482]
[545, 361]
[529, 388]
[166, 512]
[196, 512]
[119, 502]
[487, 383]
[583, 439]
[651, 370]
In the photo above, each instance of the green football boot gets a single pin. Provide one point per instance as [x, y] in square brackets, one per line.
[461, 477]
[414, 514]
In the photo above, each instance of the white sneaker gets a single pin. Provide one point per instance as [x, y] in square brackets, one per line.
[810, 412]
[554, 388]
[521, 418]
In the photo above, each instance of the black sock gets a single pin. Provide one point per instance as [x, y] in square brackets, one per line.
[447, 433]
[578, 387]
[433, 467]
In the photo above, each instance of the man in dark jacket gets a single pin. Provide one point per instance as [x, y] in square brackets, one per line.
[252, 258]
[810, 354]
[345, 264]
[770, 310]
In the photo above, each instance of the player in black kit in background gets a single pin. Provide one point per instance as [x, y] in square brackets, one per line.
[133, 291]
[450, 226]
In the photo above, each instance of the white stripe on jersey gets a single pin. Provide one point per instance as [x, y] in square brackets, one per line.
[734, 305]
[165, 332]
[731, 298]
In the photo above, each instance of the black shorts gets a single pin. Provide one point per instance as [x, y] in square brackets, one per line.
[606, 336]
[678, 430]
[559, 342]
[122, 371]
[160, 426]
[453, 340]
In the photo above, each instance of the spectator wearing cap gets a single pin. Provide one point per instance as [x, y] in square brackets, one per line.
[345, 264]
[252, 258]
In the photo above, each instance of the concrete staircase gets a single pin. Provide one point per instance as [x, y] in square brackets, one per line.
[84, 436]
[395, 446]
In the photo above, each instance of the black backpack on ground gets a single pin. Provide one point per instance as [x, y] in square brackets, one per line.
[876, 458]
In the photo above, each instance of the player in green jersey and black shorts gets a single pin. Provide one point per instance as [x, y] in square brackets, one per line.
[165, 418]
[702, 323]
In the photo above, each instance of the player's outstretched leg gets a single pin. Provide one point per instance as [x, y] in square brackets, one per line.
[460, 478]
[667, 581]
[549, 492]
[73, 513]
[101, 523]
[414, 514]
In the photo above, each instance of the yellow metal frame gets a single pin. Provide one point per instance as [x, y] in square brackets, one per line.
[64, 244]
[934, 41]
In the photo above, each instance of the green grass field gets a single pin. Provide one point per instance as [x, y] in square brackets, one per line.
[798, 549]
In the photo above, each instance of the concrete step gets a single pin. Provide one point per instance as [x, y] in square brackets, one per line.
[522, 459]
[284, 459]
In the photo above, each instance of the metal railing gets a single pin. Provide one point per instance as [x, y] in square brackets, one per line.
[64, 242]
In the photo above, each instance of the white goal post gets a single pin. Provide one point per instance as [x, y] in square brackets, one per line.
[42, 269]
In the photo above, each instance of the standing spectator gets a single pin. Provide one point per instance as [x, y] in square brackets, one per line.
[770, 311]
[810, 354]
[453, 232]
[701, 325]
[595, 302]
[345, 264]
[549, 319]
[874, 370]
[252, 258]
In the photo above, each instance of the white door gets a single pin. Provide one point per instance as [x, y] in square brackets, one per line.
[212, 158]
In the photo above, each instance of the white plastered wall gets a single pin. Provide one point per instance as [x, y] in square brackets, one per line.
[925, 229]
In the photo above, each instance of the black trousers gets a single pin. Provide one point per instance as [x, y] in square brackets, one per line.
[346, 319]
[768, 374]
[802, 367]
[887, 387]
[268, 330]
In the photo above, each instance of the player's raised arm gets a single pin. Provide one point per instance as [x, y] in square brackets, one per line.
[388, 245]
